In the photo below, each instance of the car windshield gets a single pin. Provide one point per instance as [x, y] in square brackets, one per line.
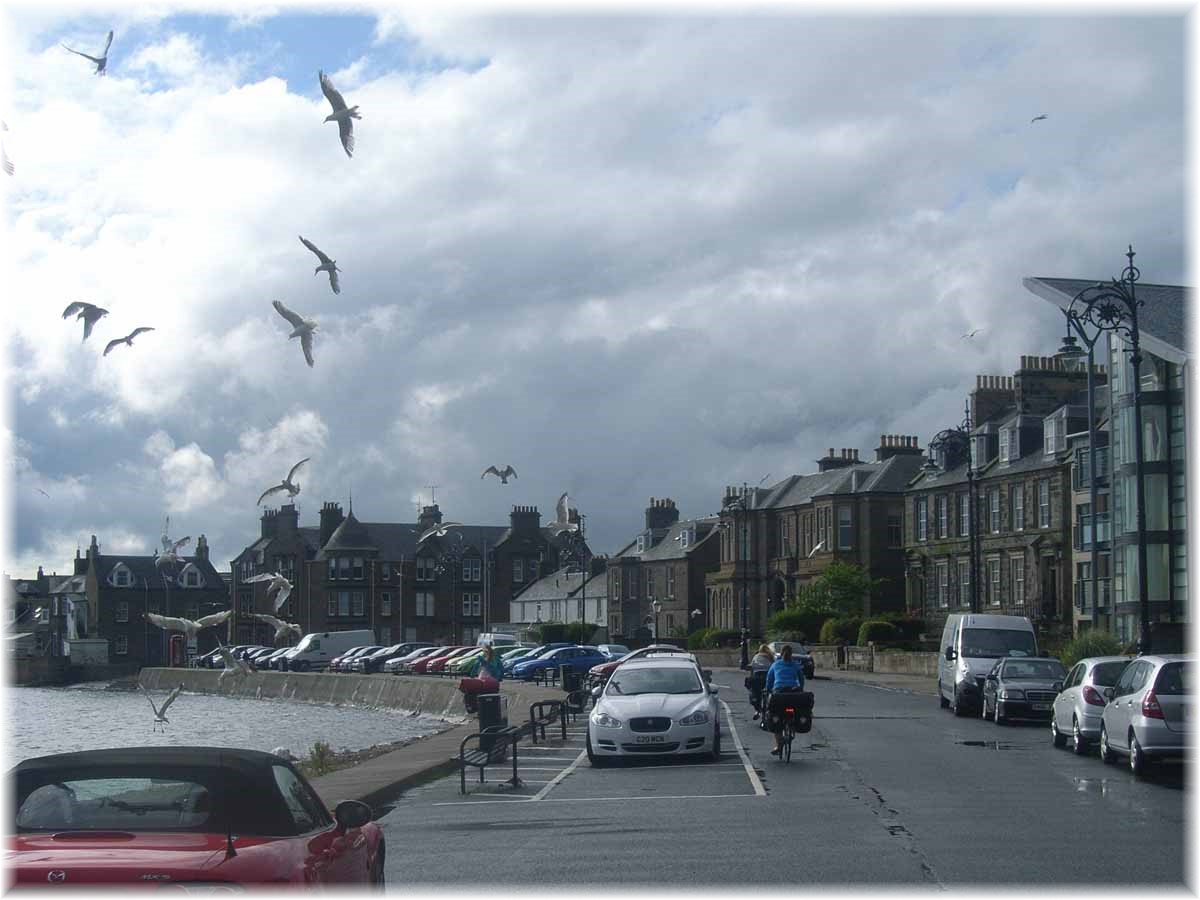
[992, 643]
[674, 680]
[1106, 674]
[115, 804]
[1172, 679]
[1033, 670]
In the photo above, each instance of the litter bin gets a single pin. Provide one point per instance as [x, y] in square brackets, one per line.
[569, 678]
[493, 710]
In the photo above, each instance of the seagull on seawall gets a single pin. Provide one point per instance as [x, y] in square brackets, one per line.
[277, 584]
[187, 626]
[292, 487]
[89, 313]
[502, 474]
[100, 61]
[282, 628]
[327, 264]
[128, 339]
[301, 327]
[340, 113]
[160, 712]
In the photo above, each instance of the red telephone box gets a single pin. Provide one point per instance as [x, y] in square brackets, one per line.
[178, 651]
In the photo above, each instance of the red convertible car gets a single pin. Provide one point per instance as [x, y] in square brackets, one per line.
[192, 817]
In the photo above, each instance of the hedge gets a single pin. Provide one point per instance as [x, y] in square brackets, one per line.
[878, 631]
[1090, 643]
[796, 624]
[840, 631]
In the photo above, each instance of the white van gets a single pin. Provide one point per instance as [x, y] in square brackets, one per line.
[970, 646]
[315, 650]
[494, 638]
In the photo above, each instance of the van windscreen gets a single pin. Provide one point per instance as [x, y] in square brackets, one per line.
[992, 643]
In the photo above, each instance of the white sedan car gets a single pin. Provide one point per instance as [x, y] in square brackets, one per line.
[655, 706]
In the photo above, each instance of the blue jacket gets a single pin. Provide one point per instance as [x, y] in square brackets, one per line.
[783, 674]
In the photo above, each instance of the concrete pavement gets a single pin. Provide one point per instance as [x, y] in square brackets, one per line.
[916, 684]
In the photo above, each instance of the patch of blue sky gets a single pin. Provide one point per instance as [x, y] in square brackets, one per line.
[1001, 182]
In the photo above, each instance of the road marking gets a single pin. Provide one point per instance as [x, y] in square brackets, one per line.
[737, 742]
[516, 825]
[561, 775]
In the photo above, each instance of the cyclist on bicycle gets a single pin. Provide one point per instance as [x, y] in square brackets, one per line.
[785, 674]
[762, 661]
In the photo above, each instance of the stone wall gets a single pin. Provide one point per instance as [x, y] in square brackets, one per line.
[905, 662]
[723, 659]
[414, 693]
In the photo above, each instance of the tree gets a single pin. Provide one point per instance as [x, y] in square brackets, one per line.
[843, 589]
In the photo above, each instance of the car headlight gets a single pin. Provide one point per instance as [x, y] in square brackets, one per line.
[1012, 694]
[604, 720]
[699, 717]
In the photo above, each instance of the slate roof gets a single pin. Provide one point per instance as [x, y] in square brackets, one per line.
[1162, 320]
[1032, 461]
[143, 567]
[890, 476]
[396, 540]
[668, 547]
[561, 585]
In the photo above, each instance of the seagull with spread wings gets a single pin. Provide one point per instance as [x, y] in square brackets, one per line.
[340, 113]
[280, 586]
[128, 339]
[438, 531]
[327, 264]
[238, 668]
[160, 712]
[820, 544]
[100, 61]
[972, 333]
[187, 626]
[292, 487]
[301, 327]
[282, 628]
[88, 313]
[502, 474]
[170, 548]
[1037, 118]
[562, 517]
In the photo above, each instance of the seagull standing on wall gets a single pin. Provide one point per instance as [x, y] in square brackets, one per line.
[327, 265]
[292, 487]
[88, 313]
[340, 113]
[301, 327]
[100, 61]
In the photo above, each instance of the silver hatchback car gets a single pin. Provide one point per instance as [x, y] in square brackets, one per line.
[1080, 704]
[1147, 714]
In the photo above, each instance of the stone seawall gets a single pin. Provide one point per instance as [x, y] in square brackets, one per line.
[413, 693]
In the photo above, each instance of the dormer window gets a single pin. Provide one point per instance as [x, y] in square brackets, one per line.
[1055, 436]
[685, 538]
[121, 576]
[641, 543]
[190, 577]
[1006, 445]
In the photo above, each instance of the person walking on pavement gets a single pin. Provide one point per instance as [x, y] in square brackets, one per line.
[483, 676]
[785, 674]
[758, 676]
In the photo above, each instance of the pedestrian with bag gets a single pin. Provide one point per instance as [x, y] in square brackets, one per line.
[484, 677]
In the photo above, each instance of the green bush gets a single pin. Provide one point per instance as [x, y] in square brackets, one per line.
[840, 631]
[795, 624]
[1090, 643]
[909, 628]
[722, 637]
[698, 639]
[878, 631]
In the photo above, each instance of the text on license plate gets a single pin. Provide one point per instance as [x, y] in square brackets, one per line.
[1041, 707]
[650, 739]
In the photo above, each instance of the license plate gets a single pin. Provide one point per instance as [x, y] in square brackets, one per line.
[650, 739]
[1041, 707]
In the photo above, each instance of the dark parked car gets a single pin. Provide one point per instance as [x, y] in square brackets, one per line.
[373, 662]
[582, 658]
[1022, 687]
[185, 819]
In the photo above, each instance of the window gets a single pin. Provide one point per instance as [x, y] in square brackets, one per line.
[518, 571]
[1044, 503]
[123, 611]
[993, 581]
[191, 578]
[1005, 437]
[305, 809]
[357, 571]
[425, 568]
[685, 538]
[343, 567]
[845, 529]
[472, 570]
[358, 603]
[994, 509]
[343, 599]
[385, 635]
[332, 568]
[470, 604]
[617, 583]
[649, 579]
[943, 584]
[385, 603]
[1016, 505]
[964, 582]
[670, 582]
[1017, 583]
[424, 603]
[385, 571]
[784, 549]
[943, 516]
[895, 529]
[1055, 434]
[964, 515]
[121, 577]
[922, 512]
[641, 543]
[122, 645]
[331, 606]
[533, 569]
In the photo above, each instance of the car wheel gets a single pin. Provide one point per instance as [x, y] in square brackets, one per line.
[376, 876]
[596, 761]
[996, 717]
[1137, 758]
[1059, 739]
[1078, 744]
[716, 745]
[943, 703]
[983, 710]
[958, 709]
[1106, 752]
[301, 667]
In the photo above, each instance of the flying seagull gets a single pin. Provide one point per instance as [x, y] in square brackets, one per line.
[128, 339]
[562, 521]
[1037, 118]
[502, 474]
[170, 551]
[43, 493]
[327, 265]
[235, 667]
[187, 626]
[972, 333]
[89, 313]
[277, 584]
[340, 113]
[4, 160]
[438, 531]
[282, 629]
[293, 488]
[100, 61]
[160, 712]
[301, 327]
[812, 552]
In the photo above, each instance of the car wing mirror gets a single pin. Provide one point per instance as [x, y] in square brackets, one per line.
[950, 654]
[708, 673]
[713, 690]
[597, 691]
[1109, 693]
[351, 814]
[1058, 686]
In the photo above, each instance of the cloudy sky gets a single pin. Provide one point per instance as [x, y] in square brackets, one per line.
[632, 256]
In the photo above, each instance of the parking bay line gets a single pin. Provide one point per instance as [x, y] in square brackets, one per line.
[737, 742]
[561, 775]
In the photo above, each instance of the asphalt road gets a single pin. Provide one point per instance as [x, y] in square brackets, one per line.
[887, 789]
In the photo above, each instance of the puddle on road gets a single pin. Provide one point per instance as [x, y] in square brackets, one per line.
[1083, 785]
[994, 745]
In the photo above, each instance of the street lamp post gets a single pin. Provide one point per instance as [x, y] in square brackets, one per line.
[657, 607]
[449, 559]
[954, 444]
[575, 550]
[1112, 307]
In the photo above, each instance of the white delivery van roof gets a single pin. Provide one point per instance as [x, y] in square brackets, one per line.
[1017, 623]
